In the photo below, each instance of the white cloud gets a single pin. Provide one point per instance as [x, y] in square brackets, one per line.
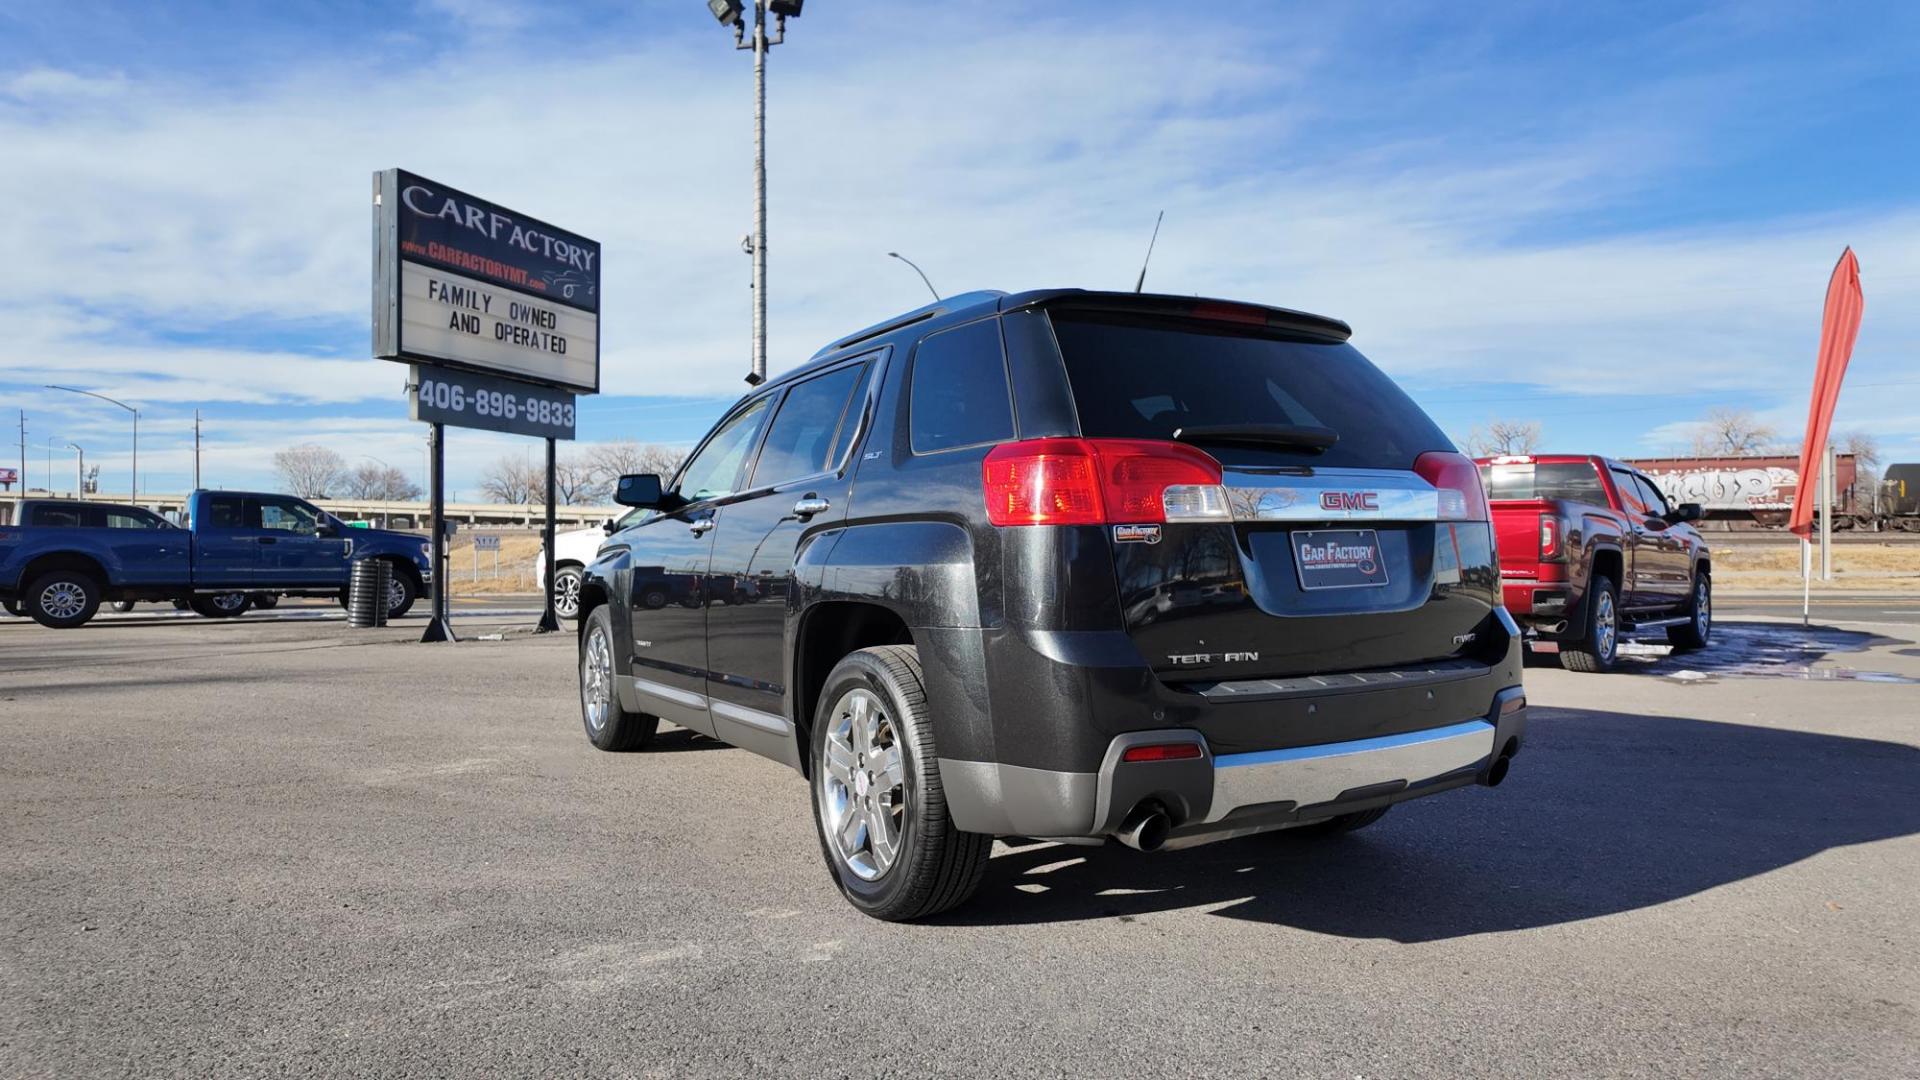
[1013, 155]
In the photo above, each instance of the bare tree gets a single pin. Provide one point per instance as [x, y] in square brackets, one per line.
[1865, 449]
[1731, 433]
[380, 482]
[573, 479]
[607, 462]
[309, 470]
[512, 479]
[1497, 437]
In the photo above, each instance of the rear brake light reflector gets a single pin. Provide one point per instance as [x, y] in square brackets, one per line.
[1101, 481]
[1550, 536]
[1180, 751]
[1458, 481]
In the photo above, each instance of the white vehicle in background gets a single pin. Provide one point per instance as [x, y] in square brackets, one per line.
[572, 551]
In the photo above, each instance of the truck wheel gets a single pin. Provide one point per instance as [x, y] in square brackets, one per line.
[878, 805]
[63, 599]
[13, 608]
[566, 592]
[1699, 627]
[402, 591]
[1596, 651]
[222, 605]
[265, 601]
[609, 725]
[123, 606]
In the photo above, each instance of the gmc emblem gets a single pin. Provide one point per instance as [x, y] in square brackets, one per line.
[1349, 500]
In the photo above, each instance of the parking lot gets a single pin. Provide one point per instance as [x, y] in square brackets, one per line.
[275, 844]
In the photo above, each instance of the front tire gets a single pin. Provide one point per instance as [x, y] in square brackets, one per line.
[1597, 650]
[566, 592]
[1699, 628]
[62, 599]
[878, 805]
[402, 591]
[609, 725]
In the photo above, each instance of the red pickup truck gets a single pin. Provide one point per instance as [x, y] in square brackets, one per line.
[1590, 551]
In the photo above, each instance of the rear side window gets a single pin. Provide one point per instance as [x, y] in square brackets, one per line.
[805, 437]
[56, 515]
[1576, 481]
[1146, 378]
[226, 512]
[133, 519]
[960, 395]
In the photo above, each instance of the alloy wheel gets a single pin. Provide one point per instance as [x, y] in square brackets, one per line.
[1702, 609]
[396, 593]
[863, 788]
[566, 594]
[596, 680]
[1605, 627]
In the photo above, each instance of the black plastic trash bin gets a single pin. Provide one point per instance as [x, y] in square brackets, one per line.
[367, 592]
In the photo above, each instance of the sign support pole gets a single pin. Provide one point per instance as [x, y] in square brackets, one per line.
[438, 627]
[549, 623]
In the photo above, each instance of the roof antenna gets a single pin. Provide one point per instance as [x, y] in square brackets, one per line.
[1142, 280]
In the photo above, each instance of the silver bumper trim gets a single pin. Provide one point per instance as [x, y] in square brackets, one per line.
[1308, 775]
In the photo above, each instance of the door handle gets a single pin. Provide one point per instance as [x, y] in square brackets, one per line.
[811, 505]
[269, 540]
[701, 527]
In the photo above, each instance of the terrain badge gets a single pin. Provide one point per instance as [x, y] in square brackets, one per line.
[1136, 534]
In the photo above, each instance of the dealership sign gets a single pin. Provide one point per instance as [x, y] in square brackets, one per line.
[460, 282]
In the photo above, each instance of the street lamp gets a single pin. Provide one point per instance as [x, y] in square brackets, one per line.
[79, 471]
[917, 270]
[731, 13]
[136, 429]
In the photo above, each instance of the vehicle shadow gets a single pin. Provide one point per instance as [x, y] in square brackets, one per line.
[1603, 813]
[1756, 650]
[676, 740]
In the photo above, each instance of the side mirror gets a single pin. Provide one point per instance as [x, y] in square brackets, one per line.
[606, 525]
[1688, 512]
[640, 490]
[326, 530]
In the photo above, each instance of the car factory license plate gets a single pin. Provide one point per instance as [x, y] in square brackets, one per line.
[1339, 559]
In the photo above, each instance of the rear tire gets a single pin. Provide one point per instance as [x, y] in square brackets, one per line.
[1699, 628]
[62, 599]
[266, 601]
[1599, 647]
[123, 606]
[609, 725]
[878, 804]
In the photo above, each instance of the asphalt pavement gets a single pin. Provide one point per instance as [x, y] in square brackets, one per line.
[277, 845]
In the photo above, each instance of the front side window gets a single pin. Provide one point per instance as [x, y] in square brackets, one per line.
[805, 439]
[1651, 495]
[960, 395]
[1630, 498]
[288, 515]
[714, 472]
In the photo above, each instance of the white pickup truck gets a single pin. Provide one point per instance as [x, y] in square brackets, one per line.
[572, 551]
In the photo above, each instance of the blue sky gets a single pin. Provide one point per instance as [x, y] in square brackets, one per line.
[1606, 218]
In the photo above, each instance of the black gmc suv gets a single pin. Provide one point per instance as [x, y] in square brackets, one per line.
[1068, 565]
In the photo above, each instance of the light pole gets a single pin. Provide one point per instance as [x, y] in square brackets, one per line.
[729, 13]
[79, 472]
[917, 270]
[136, 430]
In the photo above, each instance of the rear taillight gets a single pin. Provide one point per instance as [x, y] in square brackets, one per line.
[1100, 482]
[1458, 480]
[1550, 536]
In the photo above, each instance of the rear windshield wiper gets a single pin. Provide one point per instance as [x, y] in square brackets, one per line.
[1297, 436]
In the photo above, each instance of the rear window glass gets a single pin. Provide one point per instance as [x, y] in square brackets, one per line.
[1576, 481]
[1145, 378]
[960, 389]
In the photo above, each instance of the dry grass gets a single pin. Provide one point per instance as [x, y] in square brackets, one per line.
[517, 552]
[1891, 567]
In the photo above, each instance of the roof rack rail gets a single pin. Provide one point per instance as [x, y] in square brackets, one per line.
[919, 314]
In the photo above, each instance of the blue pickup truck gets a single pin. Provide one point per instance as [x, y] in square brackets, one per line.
[62, 559]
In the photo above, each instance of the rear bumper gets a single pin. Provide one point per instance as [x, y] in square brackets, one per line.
[1211, 797]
